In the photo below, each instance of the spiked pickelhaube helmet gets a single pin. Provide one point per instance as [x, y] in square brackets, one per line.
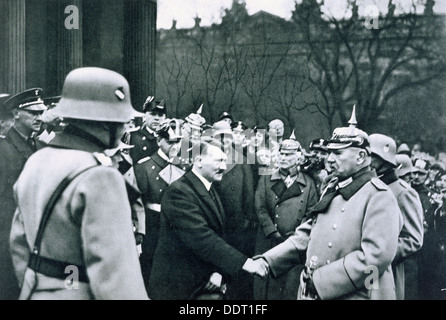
[290, 145]
[195, 120]
[350, 136]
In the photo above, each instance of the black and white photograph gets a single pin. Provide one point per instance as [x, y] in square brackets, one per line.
[224, 154]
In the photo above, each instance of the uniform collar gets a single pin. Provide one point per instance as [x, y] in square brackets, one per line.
[389, 176]
[358, 180]
[70, 141]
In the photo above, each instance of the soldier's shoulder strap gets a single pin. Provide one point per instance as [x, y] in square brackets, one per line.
[379, 184]
[143, 160]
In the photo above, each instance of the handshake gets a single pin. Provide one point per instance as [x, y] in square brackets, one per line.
[257, 266]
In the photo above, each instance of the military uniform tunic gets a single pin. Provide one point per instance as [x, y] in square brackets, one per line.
[90, 225]
[280, 209]
[153, 183]
[144, 143]
[354, 235]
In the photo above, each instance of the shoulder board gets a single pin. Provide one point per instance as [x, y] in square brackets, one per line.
[103, 159]
[404, 184]
[143, 160]
[380, 185]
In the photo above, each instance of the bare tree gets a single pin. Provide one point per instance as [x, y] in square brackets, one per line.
[351, 64]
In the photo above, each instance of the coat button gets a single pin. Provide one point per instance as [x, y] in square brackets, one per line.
[153, 167]
[328, 261]
[144, 148]
[277, 205]
[277, 197]
[335, 226]
[343, 209]
[161, 190]
[277, 215]
[157, 178]
[144, 138]
[330, 244]
[275, 225]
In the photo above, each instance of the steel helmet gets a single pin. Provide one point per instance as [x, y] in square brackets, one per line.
[95, 94]
[384, 147]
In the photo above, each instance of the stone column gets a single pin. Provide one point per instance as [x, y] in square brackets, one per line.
[65, 42]
[140, 49]
[13, 46]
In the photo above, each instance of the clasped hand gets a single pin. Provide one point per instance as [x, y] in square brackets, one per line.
[258, 267]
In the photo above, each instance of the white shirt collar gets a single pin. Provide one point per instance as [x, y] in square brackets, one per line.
[206, 183]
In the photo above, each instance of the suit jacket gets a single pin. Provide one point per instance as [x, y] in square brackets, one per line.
[14, 152]
[355, 240]
[191, 243]
[89, 226]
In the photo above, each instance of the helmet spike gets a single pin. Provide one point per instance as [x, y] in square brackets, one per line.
[352, 122]
[200, 109]
[293, 136]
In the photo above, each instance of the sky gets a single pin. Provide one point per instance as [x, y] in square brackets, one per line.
[210, 11]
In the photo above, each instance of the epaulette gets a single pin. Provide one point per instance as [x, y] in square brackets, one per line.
[103, 159]
[2, 137]
[404, 184]
[143, 160]
[379, 184]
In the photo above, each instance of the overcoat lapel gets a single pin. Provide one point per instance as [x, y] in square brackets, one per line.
[205, 196]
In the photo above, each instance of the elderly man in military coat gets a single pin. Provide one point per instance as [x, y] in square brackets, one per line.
[15, 149]
[82, 246]
[193, 256]
[153, 175]
[282, 201]
[351, 239]
[410, 241]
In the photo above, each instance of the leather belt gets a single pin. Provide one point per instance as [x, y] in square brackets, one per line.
[57, 269]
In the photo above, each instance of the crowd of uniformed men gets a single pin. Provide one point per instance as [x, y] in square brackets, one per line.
[99, 201]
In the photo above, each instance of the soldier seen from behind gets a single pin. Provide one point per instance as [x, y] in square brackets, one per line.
[73, 213]
[410, 240]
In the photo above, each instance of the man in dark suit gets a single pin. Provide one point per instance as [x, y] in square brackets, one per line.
[192, 254]
[15, 149]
